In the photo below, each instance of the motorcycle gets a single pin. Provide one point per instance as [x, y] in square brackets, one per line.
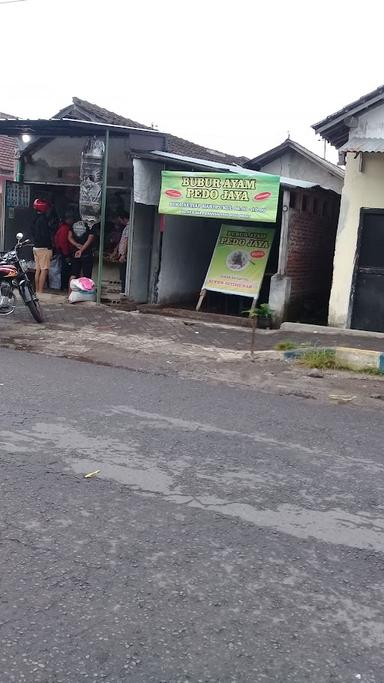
[14, 276]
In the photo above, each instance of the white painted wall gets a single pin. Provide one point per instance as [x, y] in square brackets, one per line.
[280, 166]
[187, 249]
[362, 189]
[294, 165]
[370, 124]
[142, 223]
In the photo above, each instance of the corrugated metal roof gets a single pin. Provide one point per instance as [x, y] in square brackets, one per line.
[361, 103]
[359, 144]
[196, 161]
[68, 127]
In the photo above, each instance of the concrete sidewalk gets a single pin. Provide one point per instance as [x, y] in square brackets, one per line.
[186, 349]
[59, 315]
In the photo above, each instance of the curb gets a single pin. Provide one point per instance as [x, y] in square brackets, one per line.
[325, 329]
[357, 359]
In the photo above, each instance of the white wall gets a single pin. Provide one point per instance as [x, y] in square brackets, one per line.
[279, 166]
[142, 222]
[187, 249]
[370, 124]
[362, 189]
[294, 165]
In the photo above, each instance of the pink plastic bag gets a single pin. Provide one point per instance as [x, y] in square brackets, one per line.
[84, 284]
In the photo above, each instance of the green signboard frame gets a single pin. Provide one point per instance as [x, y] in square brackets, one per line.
[235, 196]
[239, 260]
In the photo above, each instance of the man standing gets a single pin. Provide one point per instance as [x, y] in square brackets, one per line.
[82, 238]
[123, 219]
[42, 240]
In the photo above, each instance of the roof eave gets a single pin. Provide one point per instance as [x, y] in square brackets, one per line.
[271, 155]
[291, 145]
[334, 128]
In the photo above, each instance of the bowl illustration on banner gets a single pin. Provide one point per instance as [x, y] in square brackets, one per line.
[174, 194]
[262, 196]
[237, 260]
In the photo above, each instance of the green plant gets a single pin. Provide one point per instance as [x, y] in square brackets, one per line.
[285, 346]
[263, 311]
[323, 359]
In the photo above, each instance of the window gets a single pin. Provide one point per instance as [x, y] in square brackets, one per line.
[315, 206]
[304, 202]
[325, 210]
[293, 200]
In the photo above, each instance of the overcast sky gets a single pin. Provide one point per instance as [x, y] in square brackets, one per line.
[234, 76]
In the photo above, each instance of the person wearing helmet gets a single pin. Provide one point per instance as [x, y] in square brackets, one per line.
[42, 241]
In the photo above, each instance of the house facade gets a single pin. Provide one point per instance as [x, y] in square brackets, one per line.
[301, 288]
[357, 293]
[292, 160]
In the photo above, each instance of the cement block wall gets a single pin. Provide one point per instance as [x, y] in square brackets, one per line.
[311, 242]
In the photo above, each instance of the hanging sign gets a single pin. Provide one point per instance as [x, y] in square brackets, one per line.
[237, 196]
[239, 260]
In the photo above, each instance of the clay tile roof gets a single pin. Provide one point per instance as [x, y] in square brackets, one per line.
[8, 148]
[81, 109]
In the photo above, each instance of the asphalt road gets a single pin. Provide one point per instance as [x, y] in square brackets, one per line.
[230, 536]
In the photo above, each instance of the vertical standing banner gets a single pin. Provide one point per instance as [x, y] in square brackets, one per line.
[91, 179]
[239, 260]
[234, 196]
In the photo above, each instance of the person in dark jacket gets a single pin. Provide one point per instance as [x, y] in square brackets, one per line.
[42, 240]
[82, 238]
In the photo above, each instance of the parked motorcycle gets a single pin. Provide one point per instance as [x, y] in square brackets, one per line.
[14, 276]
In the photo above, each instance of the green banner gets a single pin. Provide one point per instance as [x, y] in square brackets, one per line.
[239, 260]
[237, 196]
